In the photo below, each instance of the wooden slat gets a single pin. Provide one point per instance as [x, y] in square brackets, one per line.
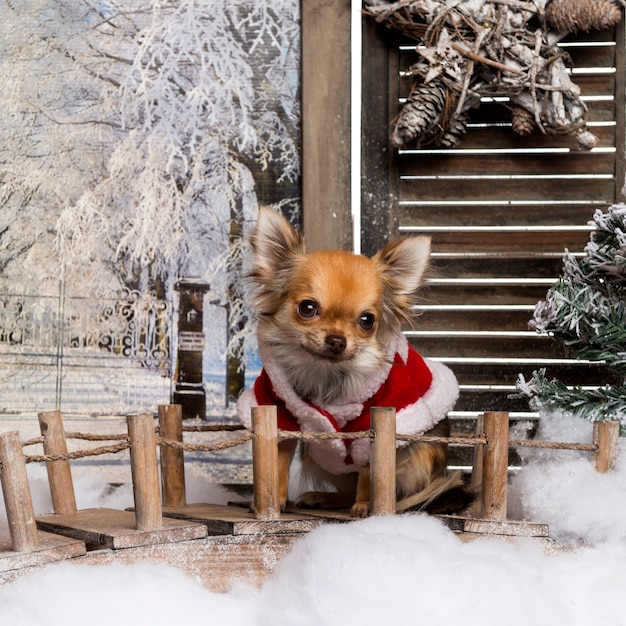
[234, 520]
[482, 294]
[506, 372]
[473, 320]
[506, 240]
[464, 162]
[498, 136]
[50, 548]
[115, 529]
[491, 266]
[501, 209]
[484, 346]
[495, 213]
[597, 190]
[490, 400]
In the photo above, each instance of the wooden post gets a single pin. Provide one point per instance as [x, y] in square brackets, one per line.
[495, 466]
[16, 492]
[145, 475]
[383, 461]
[326, 103]
[266, 502]
[477, 469]
[59, 473]
[172, 459]
[606, 437]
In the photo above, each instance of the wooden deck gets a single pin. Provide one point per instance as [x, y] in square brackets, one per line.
[219, 545]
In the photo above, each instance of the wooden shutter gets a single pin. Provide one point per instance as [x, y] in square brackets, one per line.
[501, 209]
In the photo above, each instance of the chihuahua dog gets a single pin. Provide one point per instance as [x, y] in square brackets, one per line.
[329, 337]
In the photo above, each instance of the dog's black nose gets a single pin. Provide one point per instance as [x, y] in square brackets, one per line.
[336, 343]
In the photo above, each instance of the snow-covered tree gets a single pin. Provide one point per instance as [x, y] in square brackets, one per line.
[134, 131]
[585, 311]
[55, 130]
[136, 139]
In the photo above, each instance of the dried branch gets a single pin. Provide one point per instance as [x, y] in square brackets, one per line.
[480, 48]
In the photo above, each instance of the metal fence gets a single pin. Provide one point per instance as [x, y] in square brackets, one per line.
[84, 355]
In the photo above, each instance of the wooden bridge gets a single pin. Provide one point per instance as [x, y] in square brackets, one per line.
[217, 543]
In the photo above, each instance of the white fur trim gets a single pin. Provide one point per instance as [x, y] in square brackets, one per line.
[244, 407]
[432, 407]
[414, 419]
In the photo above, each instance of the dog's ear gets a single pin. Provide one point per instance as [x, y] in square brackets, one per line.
[274, 240]
[402, 264]
[277, 247]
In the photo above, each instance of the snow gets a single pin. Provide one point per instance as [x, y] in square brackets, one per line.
[396, 570]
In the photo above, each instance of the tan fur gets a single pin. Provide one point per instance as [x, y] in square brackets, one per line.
[327, 318]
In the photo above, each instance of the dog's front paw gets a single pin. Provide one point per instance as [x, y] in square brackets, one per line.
[360, 509]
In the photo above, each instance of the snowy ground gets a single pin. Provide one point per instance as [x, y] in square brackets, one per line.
[401, 570]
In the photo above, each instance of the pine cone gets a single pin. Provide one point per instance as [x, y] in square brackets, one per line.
[420, 113]
[582, 15]
[586, 139]
[457, 127]
[523, 121]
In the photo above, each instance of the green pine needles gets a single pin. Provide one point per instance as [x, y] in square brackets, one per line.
[586, 312]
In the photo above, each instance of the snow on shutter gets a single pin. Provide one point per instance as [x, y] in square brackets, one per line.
[501, 208]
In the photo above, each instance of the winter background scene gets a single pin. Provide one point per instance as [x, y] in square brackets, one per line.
[138, 140]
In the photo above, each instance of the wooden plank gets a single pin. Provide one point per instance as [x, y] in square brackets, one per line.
[115, 529]
[486, 345]
[485, 293]
[377, 158]
[504, 241]
[219, 562]
[479, 319]
[620, 109]
[510, 528]
[500, 137]
[491, 400]
[570, 373]
[50, 548]
[468, 163]
[521, 190]
[512, 266]
[234, 520]
[326, 123]
[510, 213]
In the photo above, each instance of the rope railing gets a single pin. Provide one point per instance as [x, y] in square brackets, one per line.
[143, 438]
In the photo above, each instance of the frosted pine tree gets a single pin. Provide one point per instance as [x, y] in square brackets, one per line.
[585, 311]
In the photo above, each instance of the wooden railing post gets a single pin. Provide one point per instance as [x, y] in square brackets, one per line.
[59, 472]
[266, 501]
[495, 466]
[16, 493]
[477, 469]
[383, 461]
[606, 438]
[172, 459]
[145, 475]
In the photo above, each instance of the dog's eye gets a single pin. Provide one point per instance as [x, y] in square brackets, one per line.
[366, 321]
[307, 309]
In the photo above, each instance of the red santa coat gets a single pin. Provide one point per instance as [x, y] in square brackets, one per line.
[421, 391]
